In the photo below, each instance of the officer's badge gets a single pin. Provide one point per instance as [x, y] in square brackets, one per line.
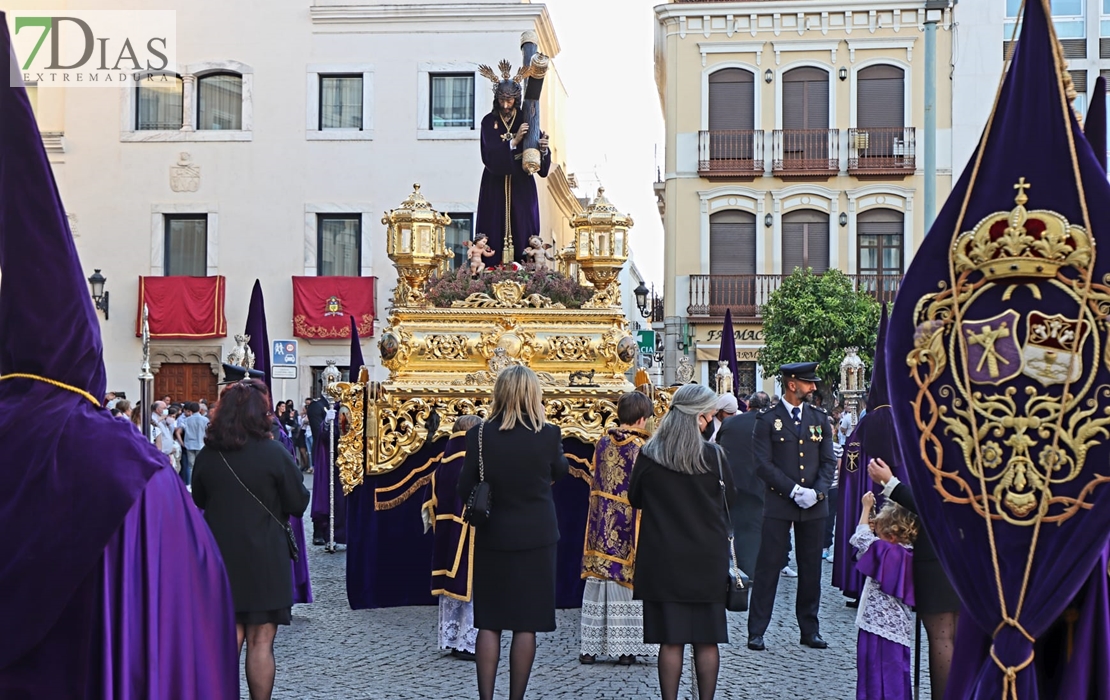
[778, 424]
[333, 307]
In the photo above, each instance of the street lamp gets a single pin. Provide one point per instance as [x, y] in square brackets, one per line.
[641, 293]
[100, 297]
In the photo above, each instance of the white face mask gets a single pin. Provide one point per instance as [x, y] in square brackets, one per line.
[165, 411]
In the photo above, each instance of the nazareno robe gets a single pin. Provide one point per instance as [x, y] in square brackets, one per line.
[453, 539]
[508, 193]
[321, 458]
[612, 524]
[302, 582]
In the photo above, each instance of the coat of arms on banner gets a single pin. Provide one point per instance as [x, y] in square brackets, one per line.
[1016, 390]
[333, 307]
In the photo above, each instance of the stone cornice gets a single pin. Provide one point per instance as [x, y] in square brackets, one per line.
[786, 7]
[462, 13]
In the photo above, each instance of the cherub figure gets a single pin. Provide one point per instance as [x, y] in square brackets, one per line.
[478, 248]
[538, 252]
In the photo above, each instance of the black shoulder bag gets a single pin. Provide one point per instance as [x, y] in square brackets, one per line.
[480, 500]
[294, 551]
[739, 585]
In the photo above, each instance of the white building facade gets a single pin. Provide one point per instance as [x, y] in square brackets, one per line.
[273, 154]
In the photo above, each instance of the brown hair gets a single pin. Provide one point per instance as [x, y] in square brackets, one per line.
[895, 523]
[465, 423]
[633, 406]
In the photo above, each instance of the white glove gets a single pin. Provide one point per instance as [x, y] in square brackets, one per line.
[330, 415]
[805, 498]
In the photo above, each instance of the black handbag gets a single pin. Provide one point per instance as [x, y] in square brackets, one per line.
[481, 499]
[739, 585]
[294, 550]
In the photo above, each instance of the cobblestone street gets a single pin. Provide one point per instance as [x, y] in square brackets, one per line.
[334, 653]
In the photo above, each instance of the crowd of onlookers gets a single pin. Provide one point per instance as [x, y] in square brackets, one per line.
[178, 428]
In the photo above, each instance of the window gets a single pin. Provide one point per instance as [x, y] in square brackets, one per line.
[805, 241]
[338, 245]
[186, 249]
[460, 231]
[452, 101]
[805, 115]
[1079, 82]
[880, 97]
[732, 254]
[220, 101]
[731, 114]
[340, 102]
[880, 242]
[158, 103]
[746, 371]
[1067, 16]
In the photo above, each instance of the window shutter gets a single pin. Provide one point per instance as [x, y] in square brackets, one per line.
[1079, 80]
[805, 241]
[805, 99]
[817, 241]
[882, 230]
[881, 97]
[731, 100]
[732, 243]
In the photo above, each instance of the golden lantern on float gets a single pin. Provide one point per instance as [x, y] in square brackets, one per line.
[601, 248]
[415, 242]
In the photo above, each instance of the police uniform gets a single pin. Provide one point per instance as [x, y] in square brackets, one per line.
[791, 453]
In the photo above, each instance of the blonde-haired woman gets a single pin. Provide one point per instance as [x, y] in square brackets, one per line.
[514, 551]
[680, 483]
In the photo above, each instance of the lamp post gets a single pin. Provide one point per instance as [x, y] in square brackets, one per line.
[331, 375]
[415, 242]
[100, 297]
[641, 293]
[601, 248]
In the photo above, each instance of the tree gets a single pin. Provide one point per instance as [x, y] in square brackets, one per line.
[814, 318]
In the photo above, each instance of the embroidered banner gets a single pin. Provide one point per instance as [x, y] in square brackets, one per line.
[189, 308]
[321, 306]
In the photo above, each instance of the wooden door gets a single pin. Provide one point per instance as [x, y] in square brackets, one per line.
[186, 382]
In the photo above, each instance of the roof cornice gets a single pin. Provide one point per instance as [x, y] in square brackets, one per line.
[787, 7]
[464, 13]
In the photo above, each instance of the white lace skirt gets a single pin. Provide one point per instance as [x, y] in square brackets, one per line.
[456, 624]
[612, 622]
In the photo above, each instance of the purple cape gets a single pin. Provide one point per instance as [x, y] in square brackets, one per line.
[611, 523]
[320, 460]
[104, 524]
[452, 539]
[1024, 341]
[507, 193]
[892, 568]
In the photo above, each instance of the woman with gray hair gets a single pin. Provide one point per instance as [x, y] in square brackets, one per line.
[682, 557]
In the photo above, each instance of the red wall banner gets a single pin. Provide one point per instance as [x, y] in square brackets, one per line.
[321, 306]
[187, 308]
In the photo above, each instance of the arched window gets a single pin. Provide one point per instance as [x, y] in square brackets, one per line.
[805, 99]
[220, 101]
[880, 239]
[158, 103]
[880, 97]
[731, 115]
[805, 241]
[732, 261]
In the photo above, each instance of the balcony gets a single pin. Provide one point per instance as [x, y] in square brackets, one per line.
[730, 153]
[710, 295]
[806, 152]
[883, 151]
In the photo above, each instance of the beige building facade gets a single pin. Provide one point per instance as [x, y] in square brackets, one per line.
[274, 151]
[794, 138]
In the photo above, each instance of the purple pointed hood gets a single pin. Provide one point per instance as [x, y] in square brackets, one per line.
[260, 338]
[1094, 126]
[46, 310]
[356, 353]
[876, 429]
[728, 351]
[72, 471]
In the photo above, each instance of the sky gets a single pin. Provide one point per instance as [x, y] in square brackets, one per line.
[615, 134]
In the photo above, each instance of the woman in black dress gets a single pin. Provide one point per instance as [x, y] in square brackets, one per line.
[514, 551]
[248, 485]
[682, 556]
[938, 605]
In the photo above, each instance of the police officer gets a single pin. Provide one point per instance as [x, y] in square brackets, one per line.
[793, 446]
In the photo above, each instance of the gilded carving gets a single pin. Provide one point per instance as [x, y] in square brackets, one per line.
[350, 455]
[571, 348]
[506, 295]
[451, 346]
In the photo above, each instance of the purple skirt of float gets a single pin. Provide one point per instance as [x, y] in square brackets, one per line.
[882, 669]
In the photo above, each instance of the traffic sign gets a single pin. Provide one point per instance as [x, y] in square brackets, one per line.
[284, 354]
[646, 340]
[283, 372]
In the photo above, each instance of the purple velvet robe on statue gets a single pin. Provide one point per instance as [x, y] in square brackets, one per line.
[508, 193]
[611, 524]
[453, 541]
[113, 586]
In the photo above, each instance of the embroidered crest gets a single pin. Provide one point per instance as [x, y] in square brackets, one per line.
[333, 306]
[1026, 442]
[778, 424]
[852, 464]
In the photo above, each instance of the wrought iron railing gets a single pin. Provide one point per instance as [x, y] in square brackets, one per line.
[711, 295]
[730, 153]
[800, 152]
[888, 150]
